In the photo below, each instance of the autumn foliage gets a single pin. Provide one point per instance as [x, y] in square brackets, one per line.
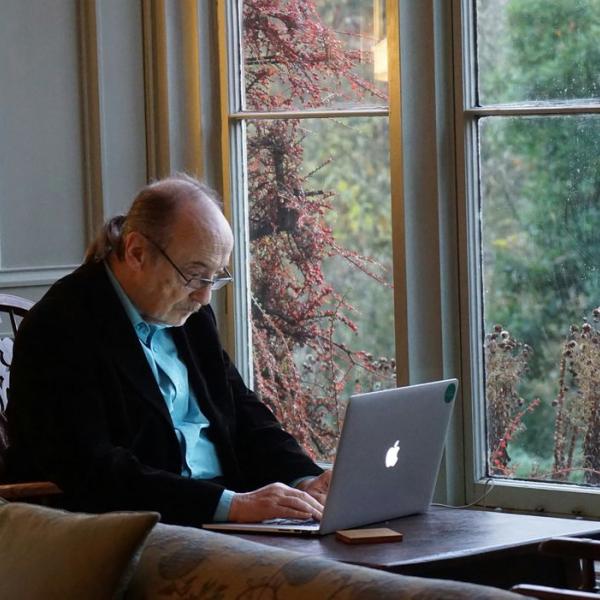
[292, 60]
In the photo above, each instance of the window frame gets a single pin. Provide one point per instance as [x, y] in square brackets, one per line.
[433, 115]
[524, 495]
[234, 177]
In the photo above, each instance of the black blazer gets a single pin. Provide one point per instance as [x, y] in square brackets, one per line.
[86, 412]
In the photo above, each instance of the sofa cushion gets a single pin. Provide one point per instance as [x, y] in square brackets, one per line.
[53, 554]
[182, 562]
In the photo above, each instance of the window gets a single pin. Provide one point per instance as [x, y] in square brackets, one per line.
[308, 130]
[531, 74]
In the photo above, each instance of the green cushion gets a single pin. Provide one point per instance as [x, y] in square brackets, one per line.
[53, 554]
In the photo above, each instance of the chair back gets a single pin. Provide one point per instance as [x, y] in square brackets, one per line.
[12, 311]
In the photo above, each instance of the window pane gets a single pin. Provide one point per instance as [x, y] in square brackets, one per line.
[314, 54]
[535, 50]
[321, 268]
[540, 205]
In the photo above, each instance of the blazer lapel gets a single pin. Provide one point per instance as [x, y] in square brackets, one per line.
[213, 398]
[122, 343]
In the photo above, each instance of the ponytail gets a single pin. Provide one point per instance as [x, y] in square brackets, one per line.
[110, 239]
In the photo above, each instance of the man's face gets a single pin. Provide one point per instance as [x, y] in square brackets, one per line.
[199, 249]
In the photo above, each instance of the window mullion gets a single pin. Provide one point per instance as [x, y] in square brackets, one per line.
[469, 247]
[238, 334]
[375, 111]
[531, 110]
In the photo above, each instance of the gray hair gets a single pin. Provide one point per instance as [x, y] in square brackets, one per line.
[152, 214]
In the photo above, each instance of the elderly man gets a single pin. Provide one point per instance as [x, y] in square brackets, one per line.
[122, 394]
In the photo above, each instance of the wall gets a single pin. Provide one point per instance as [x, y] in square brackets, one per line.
[97, 98]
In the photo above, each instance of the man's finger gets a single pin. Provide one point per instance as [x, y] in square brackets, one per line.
[302, 501]
[320, 497]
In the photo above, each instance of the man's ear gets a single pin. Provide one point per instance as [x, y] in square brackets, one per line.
[135, 250]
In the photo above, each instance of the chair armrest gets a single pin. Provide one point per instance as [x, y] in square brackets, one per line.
[543, 592]
[30, 489]
[572, 547]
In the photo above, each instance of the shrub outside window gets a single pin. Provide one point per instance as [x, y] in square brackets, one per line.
[309, 124]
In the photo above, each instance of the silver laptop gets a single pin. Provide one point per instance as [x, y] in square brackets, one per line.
[387, 460]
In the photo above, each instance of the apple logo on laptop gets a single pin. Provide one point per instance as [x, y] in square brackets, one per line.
[391, 456]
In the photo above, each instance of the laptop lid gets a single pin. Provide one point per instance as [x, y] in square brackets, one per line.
[389, 454]
[387, 460]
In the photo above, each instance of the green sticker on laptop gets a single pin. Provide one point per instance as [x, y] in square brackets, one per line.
[450, 392]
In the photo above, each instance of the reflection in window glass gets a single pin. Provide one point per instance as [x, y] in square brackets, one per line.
[536, 50]
[321, 293]
[314, 54]
[540, 207]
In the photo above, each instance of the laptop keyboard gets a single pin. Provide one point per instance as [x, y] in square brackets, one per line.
[290, 522]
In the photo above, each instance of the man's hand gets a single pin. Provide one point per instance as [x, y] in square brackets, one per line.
[273, 501]
[317, 487]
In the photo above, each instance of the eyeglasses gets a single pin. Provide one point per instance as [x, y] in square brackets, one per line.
[196, 283]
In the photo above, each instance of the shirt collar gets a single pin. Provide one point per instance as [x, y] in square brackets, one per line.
[143, 329]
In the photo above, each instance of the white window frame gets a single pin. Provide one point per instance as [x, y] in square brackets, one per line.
[435, 226]
[508, 494]
[234, 176]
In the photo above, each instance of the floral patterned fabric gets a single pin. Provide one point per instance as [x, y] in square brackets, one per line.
[182, 562]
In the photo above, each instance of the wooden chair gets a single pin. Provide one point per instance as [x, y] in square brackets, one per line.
[585, 551]
[12, 310]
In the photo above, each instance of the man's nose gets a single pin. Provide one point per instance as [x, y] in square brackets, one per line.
[202, 295]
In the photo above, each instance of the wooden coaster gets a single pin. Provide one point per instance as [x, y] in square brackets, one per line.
[368, 536]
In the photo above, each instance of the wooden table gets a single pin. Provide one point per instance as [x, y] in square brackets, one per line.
[487, 547]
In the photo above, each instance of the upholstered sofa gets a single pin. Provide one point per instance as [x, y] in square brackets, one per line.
[46, 553]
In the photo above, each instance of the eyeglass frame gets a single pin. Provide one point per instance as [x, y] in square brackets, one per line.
[215, 284]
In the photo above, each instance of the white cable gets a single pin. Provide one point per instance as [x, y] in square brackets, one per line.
[489, 486]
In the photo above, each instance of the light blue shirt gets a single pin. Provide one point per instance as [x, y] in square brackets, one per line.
[198, 453]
